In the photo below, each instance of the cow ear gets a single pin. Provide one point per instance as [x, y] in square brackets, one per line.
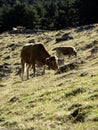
[47, 59]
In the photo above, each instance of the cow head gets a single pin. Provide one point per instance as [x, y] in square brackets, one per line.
[75, 53]
[52, 63]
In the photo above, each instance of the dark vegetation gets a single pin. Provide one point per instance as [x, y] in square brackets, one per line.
[47, 14]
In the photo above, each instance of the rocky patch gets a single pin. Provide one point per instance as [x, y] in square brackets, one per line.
[5, 70]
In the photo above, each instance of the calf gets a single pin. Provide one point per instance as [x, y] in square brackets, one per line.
[69, 51]
[36, 54]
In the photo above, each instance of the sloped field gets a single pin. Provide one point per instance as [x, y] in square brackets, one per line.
[54, 101]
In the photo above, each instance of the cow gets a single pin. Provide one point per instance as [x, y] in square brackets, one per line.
[62, 51]
[68, 51]
[36, 54]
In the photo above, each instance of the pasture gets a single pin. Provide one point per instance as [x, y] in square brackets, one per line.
[55, 101]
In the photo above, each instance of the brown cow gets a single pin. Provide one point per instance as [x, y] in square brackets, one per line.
[36, 54]
[69, 51]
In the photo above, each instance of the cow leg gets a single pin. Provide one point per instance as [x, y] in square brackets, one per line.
[23, 67]
[43, 70]
[69, 56]
[34, 70]
[60, 62]
[28, 75]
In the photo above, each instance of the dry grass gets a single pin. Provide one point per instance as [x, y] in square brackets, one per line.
[66, 101]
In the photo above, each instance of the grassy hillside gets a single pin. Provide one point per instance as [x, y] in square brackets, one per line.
[65, 101]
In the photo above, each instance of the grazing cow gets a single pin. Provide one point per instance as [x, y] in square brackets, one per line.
[69, 51]
[36, 54]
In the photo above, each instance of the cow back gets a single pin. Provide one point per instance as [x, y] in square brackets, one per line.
[33, 53]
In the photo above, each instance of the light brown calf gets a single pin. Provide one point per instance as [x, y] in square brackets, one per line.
[68, 51]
